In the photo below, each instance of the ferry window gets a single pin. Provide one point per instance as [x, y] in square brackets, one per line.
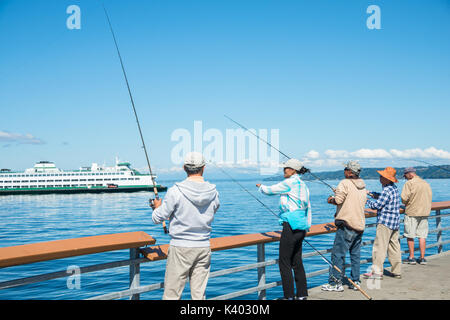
[33, 186]
[16, 181]
[98, 179]
[58, 180]
[66, 180]
[48, 181]
[16, 186]
[74, 179]
[49, 186]
[115, 179]
[82, 179]
[130, 179]
[24, 181]
[90, 179]
[41, 181]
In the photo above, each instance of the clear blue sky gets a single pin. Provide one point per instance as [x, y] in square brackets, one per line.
[311, 69]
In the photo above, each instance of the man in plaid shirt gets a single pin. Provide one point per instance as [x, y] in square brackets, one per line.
[388, 224]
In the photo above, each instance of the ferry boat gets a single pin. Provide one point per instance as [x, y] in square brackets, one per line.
[45, 177]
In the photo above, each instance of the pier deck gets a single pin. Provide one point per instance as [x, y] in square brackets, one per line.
[419, 282]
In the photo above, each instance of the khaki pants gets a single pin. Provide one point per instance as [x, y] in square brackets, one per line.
[386, 240]
[183, 264]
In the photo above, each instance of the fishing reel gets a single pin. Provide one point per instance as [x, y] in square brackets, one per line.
[375, 195]
[304, 170]
[151, 202]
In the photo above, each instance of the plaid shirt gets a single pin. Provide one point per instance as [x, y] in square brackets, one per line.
[388, 207]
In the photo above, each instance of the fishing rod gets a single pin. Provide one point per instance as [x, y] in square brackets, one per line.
[275, 214]
[433, 165]
[155, 189]
[282, 153]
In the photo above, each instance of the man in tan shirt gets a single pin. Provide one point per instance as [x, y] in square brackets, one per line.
[350, 199]
[416, 195]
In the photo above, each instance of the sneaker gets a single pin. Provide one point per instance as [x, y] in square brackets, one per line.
[352, 287]
[397, 276]
[284, 298]
[422, 261]
[301, 298]
[333, 287]
[410, 261]
[371, 275]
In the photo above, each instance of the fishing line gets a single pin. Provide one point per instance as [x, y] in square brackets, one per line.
[433, 165]
[155, 189]
[282, 153]
[275, 214]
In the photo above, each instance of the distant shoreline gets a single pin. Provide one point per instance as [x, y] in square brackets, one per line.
[432, 172]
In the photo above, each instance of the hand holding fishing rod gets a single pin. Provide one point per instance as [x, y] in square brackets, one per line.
[155, 189]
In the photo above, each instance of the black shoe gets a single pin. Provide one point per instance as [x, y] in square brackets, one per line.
[301, 298]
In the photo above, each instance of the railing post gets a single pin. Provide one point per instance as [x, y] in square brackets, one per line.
[439, 233]
[135, 272]
[261, 271]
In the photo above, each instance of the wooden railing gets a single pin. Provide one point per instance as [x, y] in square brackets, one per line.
[136, 242]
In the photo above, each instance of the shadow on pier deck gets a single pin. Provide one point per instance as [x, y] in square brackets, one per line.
[418, 282]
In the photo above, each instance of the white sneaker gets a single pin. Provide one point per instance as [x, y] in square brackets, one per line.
[330, 287]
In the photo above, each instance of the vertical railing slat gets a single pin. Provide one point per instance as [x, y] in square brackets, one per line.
[135, 273]
[261, 271]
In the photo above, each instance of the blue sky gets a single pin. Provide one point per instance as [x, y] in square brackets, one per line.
[312, 69]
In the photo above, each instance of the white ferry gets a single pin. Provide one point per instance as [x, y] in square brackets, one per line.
[45, 177]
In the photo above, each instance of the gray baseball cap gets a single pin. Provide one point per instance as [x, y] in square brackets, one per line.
[194, 160]
[353, 166]
[293, 164]
[408, 170]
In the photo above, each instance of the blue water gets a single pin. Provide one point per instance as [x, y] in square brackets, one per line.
[29, 219]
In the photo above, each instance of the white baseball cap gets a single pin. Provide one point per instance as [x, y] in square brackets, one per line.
[293, 164]
[194, 160]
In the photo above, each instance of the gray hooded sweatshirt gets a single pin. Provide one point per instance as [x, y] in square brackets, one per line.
[190, 206]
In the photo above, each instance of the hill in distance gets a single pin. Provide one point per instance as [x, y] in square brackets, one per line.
[432, 172]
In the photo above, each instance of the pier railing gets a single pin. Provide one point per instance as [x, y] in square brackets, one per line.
[138, 242]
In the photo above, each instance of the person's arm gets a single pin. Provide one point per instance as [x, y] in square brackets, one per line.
[340, 194]
[279, 188]
[381, 201]
[406, 193]
[166, 209]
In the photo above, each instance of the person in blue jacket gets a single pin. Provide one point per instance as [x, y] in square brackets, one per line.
[295, 217]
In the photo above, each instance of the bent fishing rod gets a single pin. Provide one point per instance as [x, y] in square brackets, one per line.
[155, 189]
[321, 255]
[282, 153]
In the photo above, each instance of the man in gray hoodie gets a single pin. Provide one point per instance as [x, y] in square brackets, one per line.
[189, 206]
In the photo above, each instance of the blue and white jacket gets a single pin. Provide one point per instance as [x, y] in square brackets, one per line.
[294, 195]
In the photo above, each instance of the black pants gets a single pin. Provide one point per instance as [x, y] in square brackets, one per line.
[291, 259]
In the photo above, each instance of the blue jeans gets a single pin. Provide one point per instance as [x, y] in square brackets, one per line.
[346, 240]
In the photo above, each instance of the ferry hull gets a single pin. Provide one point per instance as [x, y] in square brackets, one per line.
[72, 190]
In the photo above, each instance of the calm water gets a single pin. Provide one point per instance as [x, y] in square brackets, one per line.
[29, 219]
